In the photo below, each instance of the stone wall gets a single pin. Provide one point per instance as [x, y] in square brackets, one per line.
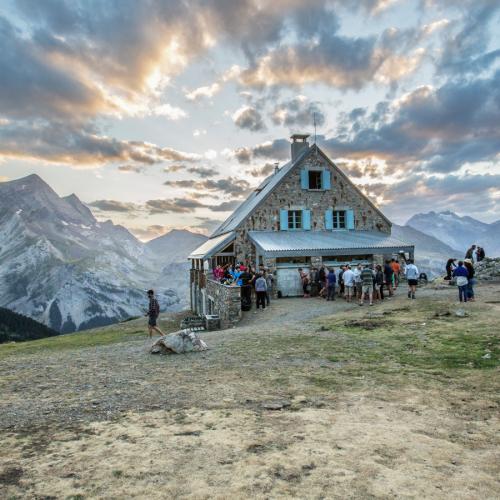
[226, 302]
[288, 195]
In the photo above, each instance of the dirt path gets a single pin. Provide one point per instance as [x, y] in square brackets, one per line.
[268, 412]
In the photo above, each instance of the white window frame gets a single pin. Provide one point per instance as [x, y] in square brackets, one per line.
[295, 216]
[339, 216]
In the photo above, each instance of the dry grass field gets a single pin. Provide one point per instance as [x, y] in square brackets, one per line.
[308, 399]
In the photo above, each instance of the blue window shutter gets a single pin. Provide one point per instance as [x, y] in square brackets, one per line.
[306, 220]
[304, 179]
[284, 220]
[329, 219]
[326, 179]
[349, 219]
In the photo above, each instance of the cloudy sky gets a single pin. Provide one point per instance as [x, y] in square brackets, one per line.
[163, 114]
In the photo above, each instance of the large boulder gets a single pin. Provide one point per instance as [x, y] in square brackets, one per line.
[178, 343]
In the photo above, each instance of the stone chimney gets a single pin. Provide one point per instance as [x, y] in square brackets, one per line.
[299, 143]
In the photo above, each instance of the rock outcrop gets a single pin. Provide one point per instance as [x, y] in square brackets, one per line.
[488, 269]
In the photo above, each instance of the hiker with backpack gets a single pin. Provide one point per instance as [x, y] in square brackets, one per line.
[153, 313]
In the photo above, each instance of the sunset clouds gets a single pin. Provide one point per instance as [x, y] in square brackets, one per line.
[174, 102]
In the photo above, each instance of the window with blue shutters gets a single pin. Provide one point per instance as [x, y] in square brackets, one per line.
[315, 179]
[295, 219]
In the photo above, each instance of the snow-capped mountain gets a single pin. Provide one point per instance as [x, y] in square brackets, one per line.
[62, 267]
[171, 251]
[459, 232]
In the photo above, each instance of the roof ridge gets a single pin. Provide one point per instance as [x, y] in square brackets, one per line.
[260, 192]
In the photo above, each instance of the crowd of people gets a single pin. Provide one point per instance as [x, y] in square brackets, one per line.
[361, 282]
[462, 272]
[254, 283]
[352, 283]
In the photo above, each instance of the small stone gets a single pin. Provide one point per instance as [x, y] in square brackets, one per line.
[276, 405]
[486, 356]
[460, 313]
[272, 406]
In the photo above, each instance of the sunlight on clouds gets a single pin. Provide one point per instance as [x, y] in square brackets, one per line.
[396, 67]
[430, 28]
[382, 5]
[206, 91]
[171, 112]
[210, 154]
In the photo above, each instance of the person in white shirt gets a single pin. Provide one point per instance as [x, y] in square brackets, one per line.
[357, 280]
[411, 273]
[348, 278]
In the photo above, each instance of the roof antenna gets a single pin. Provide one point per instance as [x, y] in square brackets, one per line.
[316, 146]
[314, 120]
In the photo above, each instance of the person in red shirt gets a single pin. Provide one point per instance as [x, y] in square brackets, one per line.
[396, 268]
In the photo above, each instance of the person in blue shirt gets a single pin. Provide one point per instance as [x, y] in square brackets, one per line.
[462, 277]
[236, 274]
[331, 281]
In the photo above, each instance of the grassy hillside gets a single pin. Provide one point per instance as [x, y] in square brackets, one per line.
[16, 327]
[308, 399]
[116, 333]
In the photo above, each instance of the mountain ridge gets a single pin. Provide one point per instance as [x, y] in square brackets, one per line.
[60, 266]
[460, 231]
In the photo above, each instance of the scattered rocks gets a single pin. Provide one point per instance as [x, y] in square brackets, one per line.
[440, 314]
[488, 269]
[276, 405]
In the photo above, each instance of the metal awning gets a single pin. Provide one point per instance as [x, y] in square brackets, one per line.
[323, 243]
[212, 246]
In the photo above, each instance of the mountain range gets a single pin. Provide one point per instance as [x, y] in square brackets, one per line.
[59, 265]
[459, 232]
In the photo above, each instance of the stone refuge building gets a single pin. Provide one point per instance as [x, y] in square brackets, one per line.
[306, 213]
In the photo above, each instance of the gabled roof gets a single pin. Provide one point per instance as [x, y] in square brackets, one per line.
[213, 245]
[256, 197]
[356, 188]
[268, 185]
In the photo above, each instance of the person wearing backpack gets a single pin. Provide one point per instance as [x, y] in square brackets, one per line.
[153, 313]
[462, 277]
